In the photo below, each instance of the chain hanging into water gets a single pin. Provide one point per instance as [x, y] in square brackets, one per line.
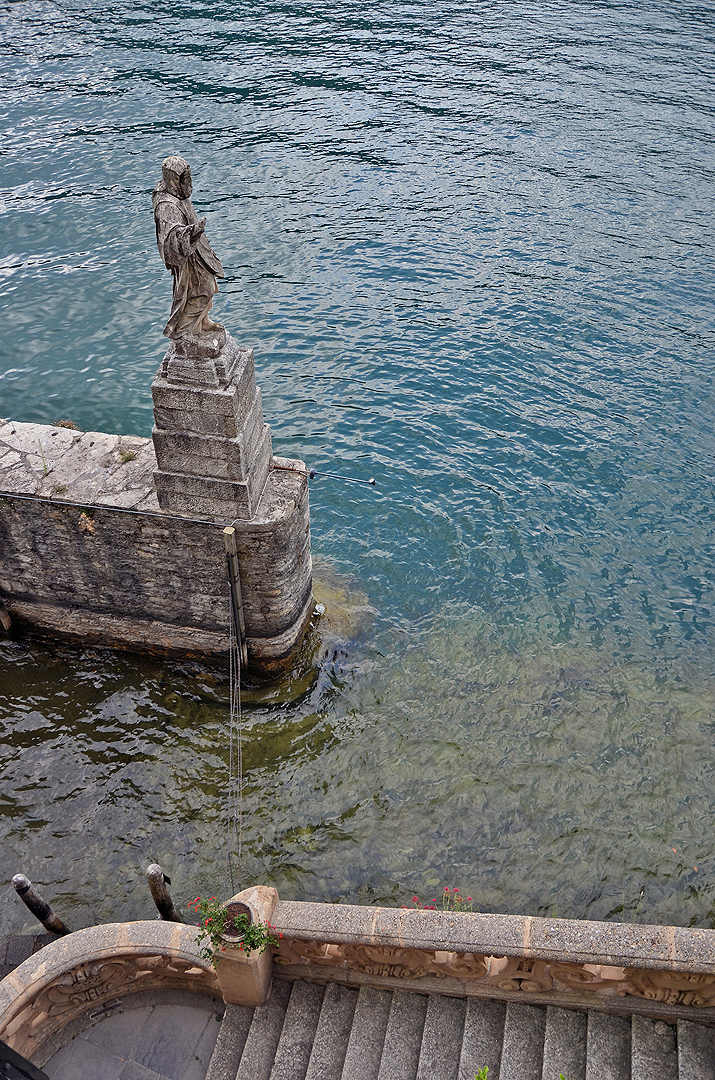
[235, 757]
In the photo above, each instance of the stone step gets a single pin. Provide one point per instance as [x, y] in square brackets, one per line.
[442, 1038]
[403, 1038]
[298, 1033]
[367, 1037]
[696, 1051]
[231, 1040]
[654, 1054]
[608, 1047]
[309, 1032]
[333, 1032]
[264, 1034]
[523, 1047]
[483, 1036]
[564, 1044]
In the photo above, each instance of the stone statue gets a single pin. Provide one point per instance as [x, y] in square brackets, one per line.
[194, 265]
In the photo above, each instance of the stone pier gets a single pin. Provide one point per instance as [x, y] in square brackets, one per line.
[117, 540]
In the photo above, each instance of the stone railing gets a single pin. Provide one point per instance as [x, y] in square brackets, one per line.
[656, 970]
[87, 972]
[660, 971]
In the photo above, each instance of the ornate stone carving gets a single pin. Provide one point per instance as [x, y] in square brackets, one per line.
[672, 987]
[520, 974]
[513, 973]
[590, 977]
[385, 960]
[194, 265]
[304, 952]
[95, 982]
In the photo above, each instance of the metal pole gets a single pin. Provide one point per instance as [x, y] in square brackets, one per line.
[157, 883]
[39, 907]
[229, 539]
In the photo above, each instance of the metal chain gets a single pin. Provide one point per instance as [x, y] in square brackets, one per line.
[234, 829]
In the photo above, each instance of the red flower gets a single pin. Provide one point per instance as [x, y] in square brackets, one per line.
[446, 888]
[455, 890]
[415, 899]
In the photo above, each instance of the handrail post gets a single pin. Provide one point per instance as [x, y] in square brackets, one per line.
[39, 907]
[160, 894]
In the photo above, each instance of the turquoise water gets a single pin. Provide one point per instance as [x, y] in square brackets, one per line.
[472, 246]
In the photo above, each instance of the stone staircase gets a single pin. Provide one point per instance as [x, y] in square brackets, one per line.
[310, 1032]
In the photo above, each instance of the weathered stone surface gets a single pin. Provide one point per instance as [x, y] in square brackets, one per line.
[232, 400]
[628, 945]
[74, 563]
[224, 459]
[85, 466]
[231, 453]
[81, 971]
[194, 265]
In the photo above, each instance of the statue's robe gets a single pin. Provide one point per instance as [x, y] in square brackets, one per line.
[193, 263]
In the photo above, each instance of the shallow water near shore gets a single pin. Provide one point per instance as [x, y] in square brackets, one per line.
[472, 248]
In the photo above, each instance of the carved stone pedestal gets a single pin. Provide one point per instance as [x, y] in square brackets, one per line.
[212, 446]
[215, 463]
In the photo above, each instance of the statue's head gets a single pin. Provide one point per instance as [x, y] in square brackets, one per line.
[176, 174]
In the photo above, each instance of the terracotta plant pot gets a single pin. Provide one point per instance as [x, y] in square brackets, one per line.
[231, 934]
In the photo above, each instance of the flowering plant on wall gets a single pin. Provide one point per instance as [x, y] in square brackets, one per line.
[449, 901]
[220, 928]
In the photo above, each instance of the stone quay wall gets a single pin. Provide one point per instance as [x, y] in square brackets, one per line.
[87, 553]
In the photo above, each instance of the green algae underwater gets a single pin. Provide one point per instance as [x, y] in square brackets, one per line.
[556, 782]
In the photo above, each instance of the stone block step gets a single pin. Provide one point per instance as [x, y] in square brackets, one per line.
[608, 1047]
[333, 1032]
[307, 1031]
[696, 1051]
[483, 1037]
[403, 1038]
[367, 1037]
[654, 1053]
[260, 1050]
[523, 1046]
[442, 1038]
[229, 1046]
[298, 1034]
[564, 1044]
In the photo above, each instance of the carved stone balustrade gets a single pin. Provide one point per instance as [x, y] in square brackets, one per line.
[663, 971]
[90, 970]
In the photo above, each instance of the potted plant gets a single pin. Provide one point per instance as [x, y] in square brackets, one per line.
[230, 926]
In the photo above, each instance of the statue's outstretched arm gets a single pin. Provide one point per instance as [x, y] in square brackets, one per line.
[180, 242]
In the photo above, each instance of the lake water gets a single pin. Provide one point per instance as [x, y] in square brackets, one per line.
[472, 246]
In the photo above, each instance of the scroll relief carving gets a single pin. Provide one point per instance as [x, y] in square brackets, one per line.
[93, 983]
[512, 973]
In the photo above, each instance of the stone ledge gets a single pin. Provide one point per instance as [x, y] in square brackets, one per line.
[662, 948]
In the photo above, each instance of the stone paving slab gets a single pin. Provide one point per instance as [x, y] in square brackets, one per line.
[80, 466]
[151, 1042]
[16, 948]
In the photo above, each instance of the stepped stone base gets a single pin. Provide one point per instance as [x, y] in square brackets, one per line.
[212, 446]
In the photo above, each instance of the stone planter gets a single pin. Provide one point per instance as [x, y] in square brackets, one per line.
[246, 980]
